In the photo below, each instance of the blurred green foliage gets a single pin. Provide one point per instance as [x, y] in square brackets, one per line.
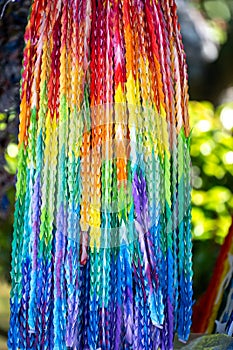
[218, 13]
[212, 169]
[8, 162]
[216, 9]
[212, 179]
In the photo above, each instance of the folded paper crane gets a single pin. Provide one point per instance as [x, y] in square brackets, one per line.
[101, 255]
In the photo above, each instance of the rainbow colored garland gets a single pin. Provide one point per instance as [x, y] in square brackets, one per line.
[102, 245]
[213, 312]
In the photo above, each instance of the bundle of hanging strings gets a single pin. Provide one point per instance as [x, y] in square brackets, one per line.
[101, 252]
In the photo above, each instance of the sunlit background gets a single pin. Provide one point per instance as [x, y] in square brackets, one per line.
[207, 28]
